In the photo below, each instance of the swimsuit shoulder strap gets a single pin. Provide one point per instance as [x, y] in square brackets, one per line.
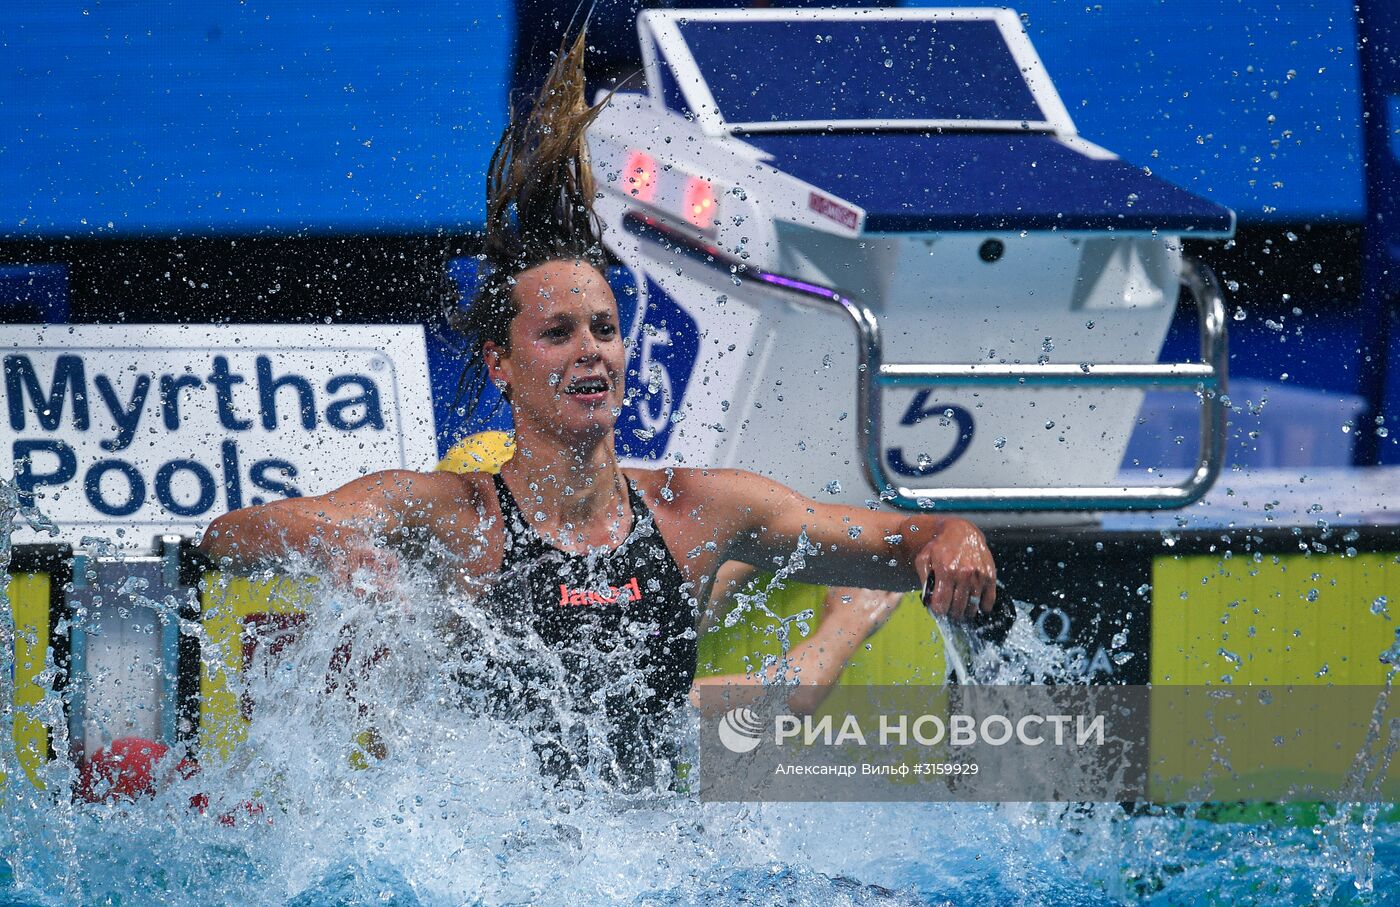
[640, 513]
[504, 497]
[513, 523]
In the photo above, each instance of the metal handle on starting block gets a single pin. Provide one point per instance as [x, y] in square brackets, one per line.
[1207, 378]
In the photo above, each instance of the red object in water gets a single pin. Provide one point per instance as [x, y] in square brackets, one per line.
[125, 768]
[251, 811]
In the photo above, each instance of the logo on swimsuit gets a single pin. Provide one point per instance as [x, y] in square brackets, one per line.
[740, 730]
[575, 597]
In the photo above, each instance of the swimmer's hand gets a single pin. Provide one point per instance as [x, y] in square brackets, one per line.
[963, 574]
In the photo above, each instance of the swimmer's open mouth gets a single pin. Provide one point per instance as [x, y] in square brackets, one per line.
[587, 386]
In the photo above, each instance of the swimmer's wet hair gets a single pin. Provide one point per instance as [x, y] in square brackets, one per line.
[539, 206]
[539, 190]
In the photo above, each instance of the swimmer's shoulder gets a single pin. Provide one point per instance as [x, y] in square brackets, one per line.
[428, 497]
[692, 489]
[724, 500]
[457, 490]
[443, 514]
[425, 485]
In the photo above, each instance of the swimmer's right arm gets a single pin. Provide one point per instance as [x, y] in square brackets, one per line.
[340, 532]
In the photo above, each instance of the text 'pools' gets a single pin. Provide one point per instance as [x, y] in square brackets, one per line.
[172, 434]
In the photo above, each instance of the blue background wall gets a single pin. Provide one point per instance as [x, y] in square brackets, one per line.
[1255, 104]
[163, 118]
[225, 116]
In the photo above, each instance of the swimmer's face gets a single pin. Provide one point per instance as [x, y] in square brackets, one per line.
[564, 370]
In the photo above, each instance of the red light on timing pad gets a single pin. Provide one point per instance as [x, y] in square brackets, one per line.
[639, 179]
[700, 205]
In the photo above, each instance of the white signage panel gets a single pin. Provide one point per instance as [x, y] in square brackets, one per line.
[125, 432]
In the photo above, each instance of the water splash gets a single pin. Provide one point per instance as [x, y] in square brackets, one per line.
[446, 804]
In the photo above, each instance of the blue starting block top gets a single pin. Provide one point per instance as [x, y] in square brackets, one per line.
[930, 120]
[921, 182]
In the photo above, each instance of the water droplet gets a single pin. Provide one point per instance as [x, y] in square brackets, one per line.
[999, 443]
[1240, 314]
[833, 487]
[889, 64]
[1317, 268]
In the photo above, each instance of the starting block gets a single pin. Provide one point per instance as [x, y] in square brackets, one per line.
[874, 259]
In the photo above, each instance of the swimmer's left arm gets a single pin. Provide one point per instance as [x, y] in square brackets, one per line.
[810, 670]
[856, 547]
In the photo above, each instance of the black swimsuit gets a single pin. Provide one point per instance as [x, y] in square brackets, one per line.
[622, 625]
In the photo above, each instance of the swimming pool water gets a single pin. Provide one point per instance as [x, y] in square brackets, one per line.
[459, 814]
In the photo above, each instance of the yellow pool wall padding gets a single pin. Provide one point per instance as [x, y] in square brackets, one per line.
[1282, 619]
[485, 451]
[226, 602]
[906, 650]
[29, 595]
[1287, 619]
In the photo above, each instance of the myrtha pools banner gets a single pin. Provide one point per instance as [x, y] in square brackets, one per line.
[126, 432]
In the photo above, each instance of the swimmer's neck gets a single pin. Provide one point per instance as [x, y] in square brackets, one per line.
[582, 488]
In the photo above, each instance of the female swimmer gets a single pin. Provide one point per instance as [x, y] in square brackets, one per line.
[604, 565]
